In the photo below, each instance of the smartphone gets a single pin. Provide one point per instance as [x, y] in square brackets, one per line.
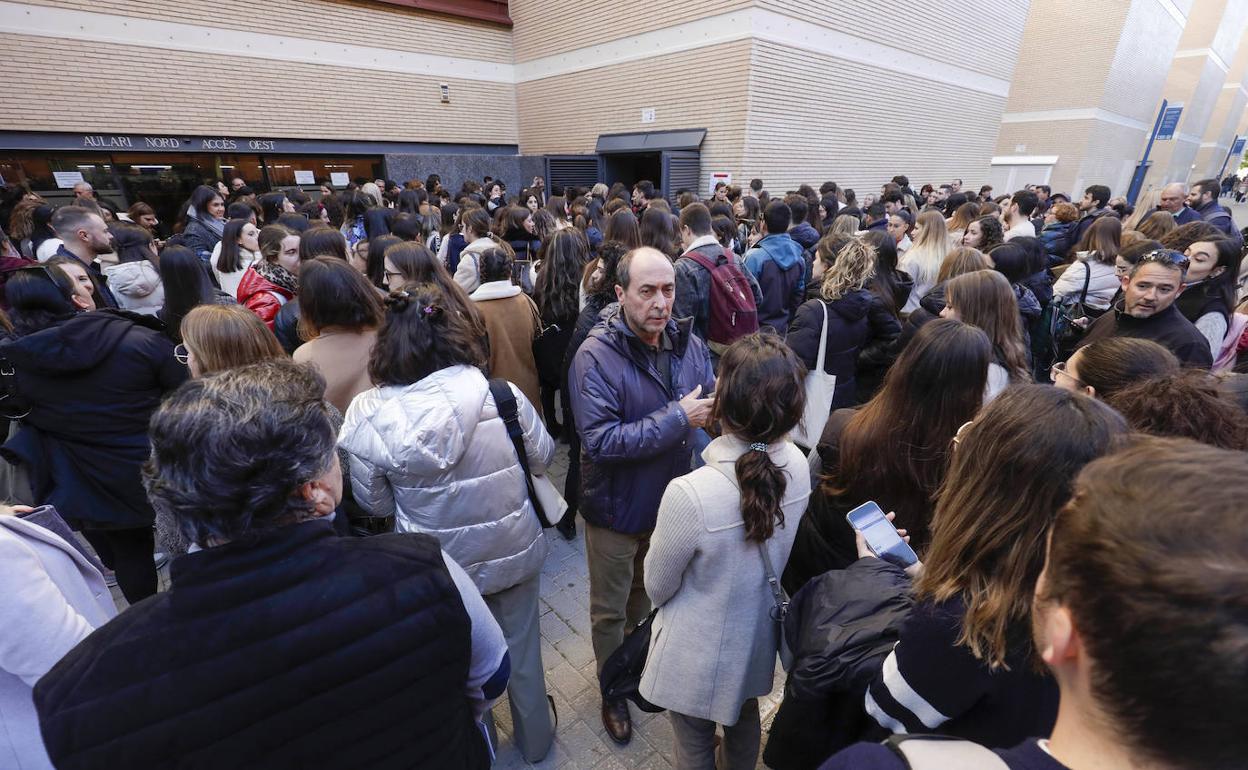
[881, 535]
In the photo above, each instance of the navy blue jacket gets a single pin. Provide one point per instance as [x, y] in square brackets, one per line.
[92, 382]
[289, 648]
[857, 322]
[635, 437]
[776, 261]
[101, 280]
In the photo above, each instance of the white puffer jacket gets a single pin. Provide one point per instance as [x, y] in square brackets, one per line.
[435, 454]
[137, 286]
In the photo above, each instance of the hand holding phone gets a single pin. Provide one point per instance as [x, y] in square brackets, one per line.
[880, 536]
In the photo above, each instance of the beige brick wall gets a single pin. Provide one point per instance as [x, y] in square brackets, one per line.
[1067, 49]
[357, 22]
[136, 89]
[976, 34]
[549, 27]
[811, 120]
[566, 113]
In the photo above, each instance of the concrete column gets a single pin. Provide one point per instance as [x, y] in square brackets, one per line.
[1227, 117]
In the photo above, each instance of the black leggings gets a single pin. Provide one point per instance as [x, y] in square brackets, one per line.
[128, 553]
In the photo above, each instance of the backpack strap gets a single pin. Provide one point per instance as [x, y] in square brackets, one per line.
[505, 402]
[939, 752]
[701, 259]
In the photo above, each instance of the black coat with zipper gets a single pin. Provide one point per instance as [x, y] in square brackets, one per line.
[859, 326]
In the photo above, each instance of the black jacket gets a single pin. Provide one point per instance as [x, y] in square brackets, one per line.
[295, 648]
[859, 325]
[286, 326]
[1168, 328]
[92, 382]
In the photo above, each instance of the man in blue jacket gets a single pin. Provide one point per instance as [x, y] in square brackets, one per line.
[1204, 201]
[639, 382]
[776, 261]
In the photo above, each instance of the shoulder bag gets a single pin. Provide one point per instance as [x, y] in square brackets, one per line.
[820, 389]
[548, 504]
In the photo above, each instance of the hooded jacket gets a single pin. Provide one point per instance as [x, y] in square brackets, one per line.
[435, 455]
[806, 236]
[635, 437]
[261, 296]
[92, 382]
[857, 322]
[1055, 238]
[468, 270]
[778, 265]
[137, 286]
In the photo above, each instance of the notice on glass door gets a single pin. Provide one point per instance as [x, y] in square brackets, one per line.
[305, 177]
[65, 180]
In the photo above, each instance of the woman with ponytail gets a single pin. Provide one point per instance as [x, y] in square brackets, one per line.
[714, 643]
[428, 447]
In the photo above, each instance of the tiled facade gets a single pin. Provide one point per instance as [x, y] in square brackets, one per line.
[1000, 91]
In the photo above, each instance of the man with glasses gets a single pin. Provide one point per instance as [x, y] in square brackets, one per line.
[1147, 310]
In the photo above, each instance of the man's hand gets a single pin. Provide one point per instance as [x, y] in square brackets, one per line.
[697, 409]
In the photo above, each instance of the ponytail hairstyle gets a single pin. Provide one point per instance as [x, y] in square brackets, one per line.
[421, 334]
[759, 398]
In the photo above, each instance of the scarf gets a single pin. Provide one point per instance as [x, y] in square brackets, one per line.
[214, 225]
[277, 275]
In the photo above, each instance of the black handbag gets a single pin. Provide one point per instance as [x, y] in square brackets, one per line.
[1069, 321]
[621, 674]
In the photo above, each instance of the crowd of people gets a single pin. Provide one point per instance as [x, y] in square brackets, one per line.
[336, 414]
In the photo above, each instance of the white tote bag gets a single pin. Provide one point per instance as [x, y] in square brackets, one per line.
[820, 388]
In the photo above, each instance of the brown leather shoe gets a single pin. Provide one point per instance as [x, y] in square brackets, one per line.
[617, 720]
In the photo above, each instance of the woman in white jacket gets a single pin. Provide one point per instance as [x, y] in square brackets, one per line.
[135, 281]
[238, 250]
[427, 446]
[1094, 264]
[53, 598]
[714, 643]
[475, 226]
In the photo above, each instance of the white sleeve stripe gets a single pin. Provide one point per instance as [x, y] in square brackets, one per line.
[906, 697]
[882, 718]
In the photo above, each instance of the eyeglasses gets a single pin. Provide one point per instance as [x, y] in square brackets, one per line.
[388, 275]
[182, 354]
[1165, 257]
[1060, 368]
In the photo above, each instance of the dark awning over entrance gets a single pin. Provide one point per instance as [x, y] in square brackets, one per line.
[651, 141]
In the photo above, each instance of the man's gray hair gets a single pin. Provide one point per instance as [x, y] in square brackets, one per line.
[231, 451]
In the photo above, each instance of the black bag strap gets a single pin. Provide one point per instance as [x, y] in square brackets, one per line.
[1087, 281]
[505, 402]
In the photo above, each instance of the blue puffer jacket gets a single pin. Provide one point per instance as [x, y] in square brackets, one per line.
[1055, 237]
[635, 438]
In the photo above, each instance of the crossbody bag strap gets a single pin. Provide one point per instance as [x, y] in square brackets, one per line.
[1087, 282]
[505, 402]
[823, 338]
[781, 599]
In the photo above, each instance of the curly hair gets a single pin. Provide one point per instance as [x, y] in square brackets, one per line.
[1186, 404]
[853, 268]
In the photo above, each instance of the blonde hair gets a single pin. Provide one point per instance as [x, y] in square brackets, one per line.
[1145, 206]
[962, 260]
[853, 268]
[926, 255]
[846, 223]
[226, 336]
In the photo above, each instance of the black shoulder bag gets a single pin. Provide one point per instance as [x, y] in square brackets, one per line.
[505, 401]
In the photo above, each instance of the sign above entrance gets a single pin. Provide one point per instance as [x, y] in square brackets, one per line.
[158, 143]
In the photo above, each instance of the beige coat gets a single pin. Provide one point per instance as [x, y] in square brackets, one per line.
[342, 359]
[511, 323]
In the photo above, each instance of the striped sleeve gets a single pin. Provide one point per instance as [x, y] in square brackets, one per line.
[927, 679]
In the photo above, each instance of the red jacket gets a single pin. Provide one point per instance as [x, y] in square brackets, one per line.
[261, 296]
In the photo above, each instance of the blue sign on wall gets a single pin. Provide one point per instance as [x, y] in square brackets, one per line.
[1238, 147]
[1169, 122]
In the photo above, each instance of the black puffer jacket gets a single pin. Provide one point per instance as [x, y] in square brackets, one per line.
[292, 648]
[858, 325]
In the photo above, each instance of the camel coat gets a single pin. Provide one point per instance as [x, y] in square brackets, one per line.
[511, 322]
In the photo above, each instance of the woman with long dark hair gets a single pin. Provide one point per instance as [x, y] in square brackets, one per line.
[339, 312]
[134, 279]
[893, 449]
[722, 532]
[273, 205]
[556, 292]
[89, 383]
[965, 659]
[205, 222]
[239, 249]
[274, 280]
[429, 448]
[186, 286]
[354, 204]
[1209, 288]
[622, 227]
[659, 231]
[984, 233]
